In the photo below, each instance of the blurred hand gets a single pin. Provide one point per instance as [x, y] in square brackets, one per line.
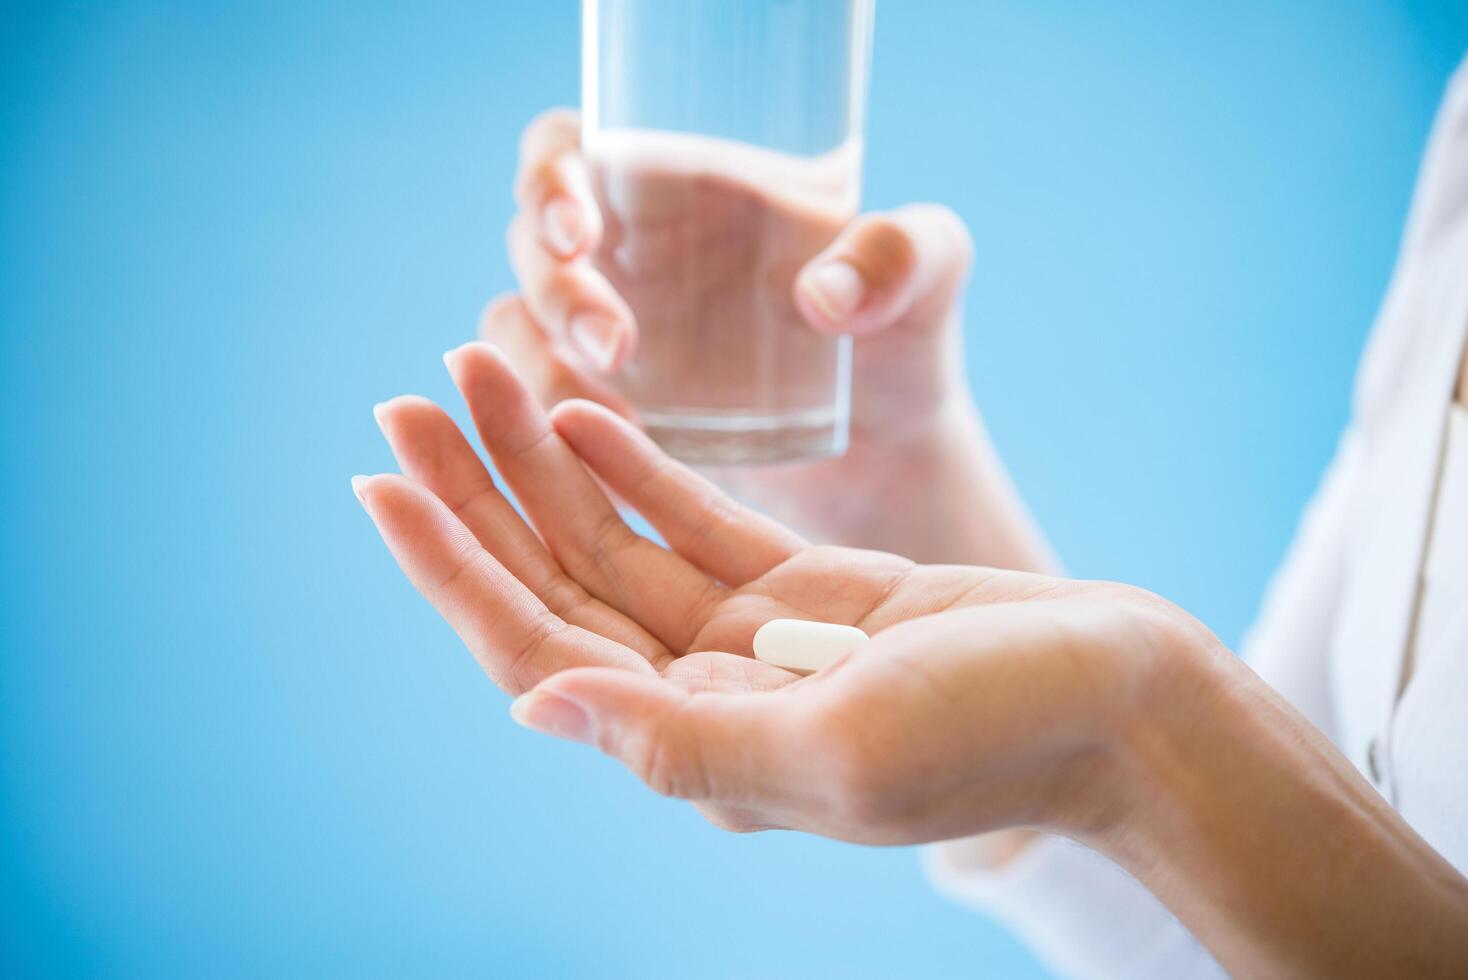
[892, 280]
[985, 698]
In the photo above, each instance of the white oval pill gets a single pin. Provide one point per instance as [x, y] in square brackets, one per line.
[802, 646]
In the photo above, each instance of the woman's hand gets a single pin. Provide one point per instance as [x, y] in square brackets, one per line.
[893, 280]
[985, 698]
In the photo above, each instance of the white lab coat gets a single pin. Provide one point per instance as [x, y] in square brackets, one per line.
[1336, 623]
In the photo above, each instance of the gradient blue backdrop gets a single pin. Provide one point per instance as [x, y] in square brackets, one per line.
[232, 739]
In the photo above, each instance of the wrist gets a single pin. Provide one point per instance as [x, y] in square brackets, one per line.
[1260, 836]
[895, 489]
[938, 493]
[932, 489]
[1163, 674]
[1186, 717]
[918, 495]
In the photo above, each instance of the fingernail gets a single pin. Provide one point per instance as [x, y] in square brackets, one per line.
[357, 483]
[562, 225]
[550, 714]
[596, 337]
[377, 412]
[448, 358]
[835, 288]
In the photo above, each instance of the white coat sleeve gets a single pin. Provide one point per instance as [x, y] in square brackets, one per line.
[1082, 914]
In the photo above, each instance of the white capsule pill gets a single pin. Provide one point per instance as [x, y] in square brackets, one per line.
[803, 647]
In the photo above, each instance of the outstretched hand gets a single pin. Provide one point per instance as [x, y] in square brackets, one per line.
[984, 698]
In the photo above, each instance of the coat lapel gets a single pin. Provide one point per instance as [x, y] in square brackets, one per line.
[1404, 442]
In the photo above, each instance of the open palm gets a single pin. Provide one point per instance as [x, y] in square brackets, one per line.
[588, 591]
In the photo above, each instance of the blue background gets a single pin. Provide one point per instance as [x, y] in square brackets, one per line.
[234, 742]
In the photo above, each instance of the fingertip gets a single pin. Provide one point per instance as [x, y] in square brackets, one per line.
[500, 315]
[584, 423]
[475, 354]
[395, 503]
[838, 296]
[368, 488]
[544, 712]
[582, 411]
[467, 348]
[397, 405]
[830, 292]
[568, 419]
[453, 354]
[607, 693]
[570, 410]
[408, 418]
[504, 409]
[550, 131]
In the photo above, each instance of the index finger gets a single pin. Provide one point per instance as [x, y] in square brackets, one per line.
[550, 134]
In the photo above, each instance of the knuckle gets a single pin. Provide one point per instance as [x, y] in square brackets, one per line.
[1164, 622]
[654, 767]
[667, 764]
[563, 281]
[718, 513]
[531, 444]
[520, 674]
[563, 596]
[468, 560]
[596, 560]
[611, 534]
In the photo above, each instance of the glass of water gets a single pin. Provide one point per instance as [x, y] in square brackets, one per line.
[725, 142]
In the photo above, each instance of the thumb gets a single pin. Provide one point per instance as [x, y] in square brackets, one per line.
[702, 746]
[885, 267]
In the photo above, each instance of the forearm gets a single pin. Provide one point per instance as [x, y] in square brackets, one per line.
[1269, 845]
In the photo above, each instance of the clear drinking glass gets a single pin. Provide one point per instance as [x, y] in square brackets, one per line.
[725, 141]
